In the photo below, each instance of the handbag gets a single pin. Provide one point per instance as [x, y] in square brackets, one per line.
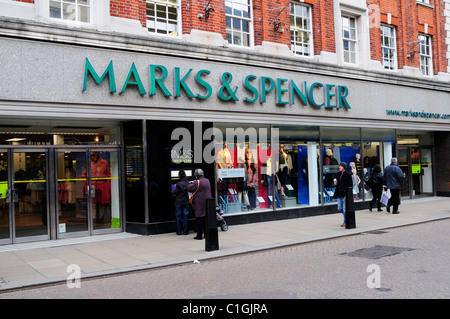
[191, 197]
[385, 198]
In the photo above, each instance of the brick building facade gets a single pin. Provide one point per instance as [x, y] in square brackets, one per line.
[272, 22]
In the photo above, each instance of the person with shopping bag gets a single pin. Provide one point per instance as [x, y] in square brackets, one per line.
[393, 176]
[376, 182]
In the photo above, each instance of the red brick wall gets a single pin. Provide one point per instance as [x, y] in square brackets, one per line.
[408, 17]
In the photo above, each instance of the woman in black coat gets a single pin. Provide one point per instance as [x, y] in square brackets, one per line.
[376, 182]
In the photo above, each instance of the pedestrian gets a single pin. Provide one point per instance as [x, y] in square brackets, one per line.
[393, 176]
[376, 182]
[344, 186]
[201, 190]
[181, 204]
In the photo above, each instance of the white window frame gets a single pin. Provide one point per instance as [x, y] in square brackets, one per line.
[239, 18]
[294, 29]
[350, 39]
[158, 25]
[389, 45]
[76, 6]
[425, 55]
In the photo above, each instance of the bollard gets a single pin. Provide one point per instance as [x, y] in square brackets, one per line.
[211, 232]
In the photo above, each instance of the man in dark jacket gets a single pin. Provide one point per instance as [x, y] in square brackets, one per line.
[182, 203]
[201, 190]
[344, 186]
[393, 176]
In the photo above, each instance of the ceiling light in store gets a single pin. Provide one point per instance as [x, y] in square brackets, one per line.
[16, 139]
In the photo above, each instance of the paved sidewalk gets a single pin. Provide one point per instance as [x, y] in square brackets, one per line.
[23, 265]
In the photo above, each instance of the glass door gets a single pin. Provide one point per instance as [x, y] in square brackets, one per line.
[88, 191]
[5, 220]
[426, 171]
[28, 195]
[404, 164]
[72, 206]
[104, 189]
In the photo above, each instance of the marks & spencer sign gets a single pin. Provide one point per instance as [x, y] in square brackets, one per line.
[198, 84]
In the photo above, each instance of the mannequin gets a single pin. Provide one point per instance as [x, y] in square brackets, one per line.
[251, 178]
[358, 163]
[283, 169]
[356, 181]
[242, 186]
[224, 159]
[330, 161]
[269, 185]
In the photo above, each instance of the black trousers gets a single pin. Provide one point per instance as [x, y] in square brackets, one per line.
[376, 197]
[200, 226]
[394, 201]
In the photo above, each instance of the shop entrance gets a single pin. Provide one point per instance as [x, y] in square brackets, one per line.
[416, 163]
[88, 191]
[49, 193]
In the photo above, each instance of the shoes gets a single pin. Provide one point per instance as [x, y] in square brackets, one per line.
[388, 209]
[397, 212]
[370, 209]
[379, 209]
[343, 225]
[198, 238]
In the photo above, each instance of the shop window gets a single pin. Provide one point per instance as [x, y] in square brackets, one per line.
[425, 55]
[301, 29]
[238, 21]
[341, 145]
[298, 166]
[163, 17]
[245, 172]
[70, 10]
[388, 47]
[378, 148]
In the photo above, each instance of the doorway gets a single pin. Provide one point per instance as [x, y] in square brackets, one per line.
[416, 162]
[50, 193]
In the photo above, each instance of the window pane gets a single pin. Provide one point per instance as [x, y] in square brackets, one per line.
[83, 14]
[55, 9]
[69, 12]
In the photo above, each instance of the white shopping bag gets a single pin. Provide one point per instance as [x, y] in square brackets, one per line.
[385, 197]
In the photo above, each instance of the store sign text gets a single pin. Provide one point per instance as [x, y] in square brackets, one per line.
[255, 88]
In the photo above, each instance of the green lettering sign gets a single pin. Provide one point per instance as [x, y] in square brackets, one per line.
[89, 69]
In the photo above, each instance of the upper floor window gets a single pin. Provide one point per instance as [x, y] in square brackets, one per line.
[349, 37]
[423, 1]
[72, 10]
[388, 47]
[238, 22]
[425, 54]
[163, 16]
[301, 29]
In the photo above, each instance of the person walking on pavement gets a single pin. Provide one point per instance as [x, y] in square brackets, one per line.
[201, 190]
[343, 184]
[181, 204]
[376, 182]
[393, 176]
